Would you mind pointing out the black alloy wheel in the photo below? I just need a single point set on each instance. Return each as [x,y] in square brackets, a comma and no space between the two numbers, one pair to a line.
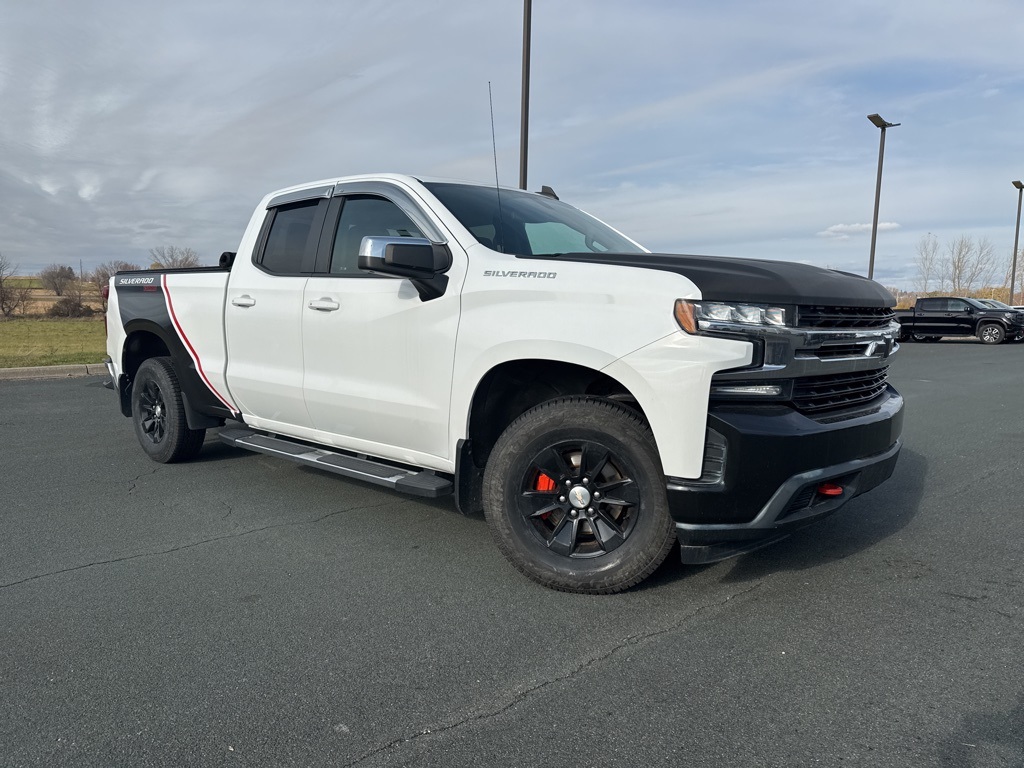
[158,414]
[580,499]
[575,496]
[152,412]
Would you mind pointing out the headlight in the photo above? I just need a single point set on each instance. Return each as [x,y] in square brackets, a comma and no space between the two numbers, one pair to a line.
[696,316]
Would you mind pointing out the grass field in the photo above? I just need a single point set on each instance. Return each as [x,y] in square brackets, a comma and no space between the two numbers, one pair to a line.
[36,341]
[26,282]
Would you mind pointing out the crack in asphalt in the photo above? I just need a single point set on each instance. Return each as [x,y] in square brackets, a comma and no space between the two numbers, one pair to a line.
[182,547]
[132,483]
[631,640]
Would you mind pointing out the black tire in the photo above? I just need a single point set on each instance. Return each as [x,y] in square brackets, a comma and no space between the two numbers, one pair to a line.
[537,496]
[158,413]
[991,333]
[905,335]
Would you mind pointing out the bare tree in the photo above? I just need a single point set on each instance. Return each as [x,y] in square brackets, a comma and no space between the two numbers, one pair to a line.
[173,257]
[57,277]
[1018,293]
[13,298]
[1014,291]
[927,262]
[102,274]
[968,264]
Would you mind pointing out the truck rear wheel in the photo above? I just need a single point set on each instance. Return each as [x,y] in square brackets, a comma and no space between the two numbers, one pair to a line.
[991,334]
[158,414]
[575,496]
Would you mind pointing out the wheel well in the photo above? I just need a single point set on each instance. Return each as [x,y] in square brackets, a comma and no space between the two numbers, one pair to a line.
[139,347]
[511,389]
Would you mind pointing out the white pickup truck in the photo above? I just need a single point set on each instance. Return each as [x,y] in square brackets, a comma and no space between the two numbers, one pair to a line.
[600,403]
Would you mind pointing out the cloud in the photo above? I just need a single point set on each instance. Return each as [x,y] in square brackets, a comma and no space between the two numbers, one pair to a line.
[844,231]
[128,126]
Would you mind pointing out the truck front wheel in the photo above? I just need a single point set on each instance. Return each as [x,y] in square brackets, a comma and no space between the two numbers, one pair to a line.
[575,496]
[991,334]
[158,413]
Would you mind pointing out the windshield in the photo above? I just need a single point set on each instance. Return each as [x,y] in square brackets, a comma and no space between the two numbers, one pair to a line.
[527,223]
[996,304]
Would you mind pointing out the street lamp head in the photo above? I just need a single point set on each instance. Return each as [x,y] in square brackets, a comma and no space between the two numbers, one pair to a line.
[1018,185]
[878,122]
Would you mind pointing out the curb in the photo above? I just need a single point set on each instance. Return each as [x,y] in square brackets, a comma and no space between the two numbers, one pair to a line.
[53,372]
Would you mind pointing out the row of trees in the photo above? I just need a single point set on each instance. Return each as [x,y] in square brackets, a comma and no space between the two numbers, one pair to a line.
[70,288]
[963,266]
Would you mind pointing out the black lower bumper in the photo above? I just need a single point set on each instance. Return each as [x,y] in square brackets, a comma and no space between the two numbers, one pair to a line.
[765,468]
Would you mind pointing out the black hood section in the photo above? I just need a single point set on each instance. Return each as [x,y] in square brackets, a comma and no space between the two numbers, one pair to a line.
[757,281]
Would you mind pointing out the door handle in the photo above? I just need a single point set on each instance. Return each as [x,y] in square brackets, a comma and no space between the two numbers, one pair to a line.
[324,304]
[244,300]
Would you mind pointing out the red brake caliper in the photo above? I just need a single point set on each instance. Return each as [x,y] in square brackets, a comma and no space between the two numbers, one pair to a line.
[543,483]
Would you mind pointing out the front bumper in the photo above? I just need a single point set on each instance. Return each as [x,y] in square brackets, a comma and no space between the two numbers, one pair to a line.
[764,468]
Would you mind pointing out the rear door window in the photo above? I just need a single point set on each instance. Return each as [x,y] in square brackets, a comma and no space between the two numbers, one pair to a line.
[290,247]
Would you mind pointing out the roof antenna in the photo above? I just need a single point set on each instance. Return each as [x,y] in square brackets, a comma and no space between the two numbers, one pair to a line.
[499,237]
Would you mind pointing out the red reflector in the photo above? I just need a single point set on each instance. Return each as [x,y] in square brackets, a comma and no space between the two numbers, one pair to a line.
[830,489]
[544,483]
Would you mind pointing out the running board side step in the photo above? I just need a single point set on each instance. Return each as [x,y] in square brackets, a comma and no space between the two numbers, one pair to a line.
[423,483]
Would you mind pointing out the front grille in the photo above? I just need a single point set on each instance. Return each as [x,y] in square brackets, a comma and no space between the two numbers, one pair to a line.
[816,394]
[844,317]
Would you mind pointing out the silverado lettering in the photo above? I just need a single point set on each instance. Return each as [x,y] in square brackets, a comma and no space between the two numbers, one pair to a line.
[502,273]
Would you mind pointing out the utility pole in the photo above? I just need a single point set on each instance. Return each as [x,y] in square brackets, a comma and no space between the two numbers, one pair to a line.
[524,126]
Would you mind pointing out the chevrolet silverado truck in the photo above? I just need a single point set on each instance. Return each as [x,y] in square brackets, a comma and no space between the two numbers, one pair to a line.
[601,404]
[932,318]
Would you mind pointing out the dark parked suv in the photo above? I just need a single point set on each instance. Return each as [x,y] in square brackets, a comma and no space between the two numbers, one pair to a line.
[938,316]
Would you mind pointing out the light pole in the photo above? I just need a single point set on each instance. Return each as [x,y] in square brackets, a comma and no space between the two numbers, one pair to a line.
[880,123]
[1016,236]
[524,125]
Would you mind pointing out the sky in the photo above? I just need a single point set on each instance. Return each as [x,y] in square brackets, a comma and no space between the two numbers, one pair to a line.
[731,128]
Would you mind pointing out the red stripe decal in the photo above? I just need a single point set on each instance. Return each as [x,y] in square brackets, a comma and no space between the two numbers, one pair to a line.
[188,346]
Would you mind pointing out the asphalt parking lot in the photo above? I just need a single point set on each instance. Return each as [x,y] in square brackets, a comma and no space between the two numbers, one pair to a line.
[243,610]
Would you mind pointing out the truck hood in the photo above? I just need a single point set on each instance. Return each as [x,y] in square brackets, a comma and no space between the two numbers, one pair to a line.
[759,281]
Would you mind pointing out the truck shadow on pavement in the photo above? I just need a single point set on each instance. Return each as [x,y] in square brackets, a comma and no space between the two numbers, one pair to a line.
[986,734]
[215,450]
[857,526]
